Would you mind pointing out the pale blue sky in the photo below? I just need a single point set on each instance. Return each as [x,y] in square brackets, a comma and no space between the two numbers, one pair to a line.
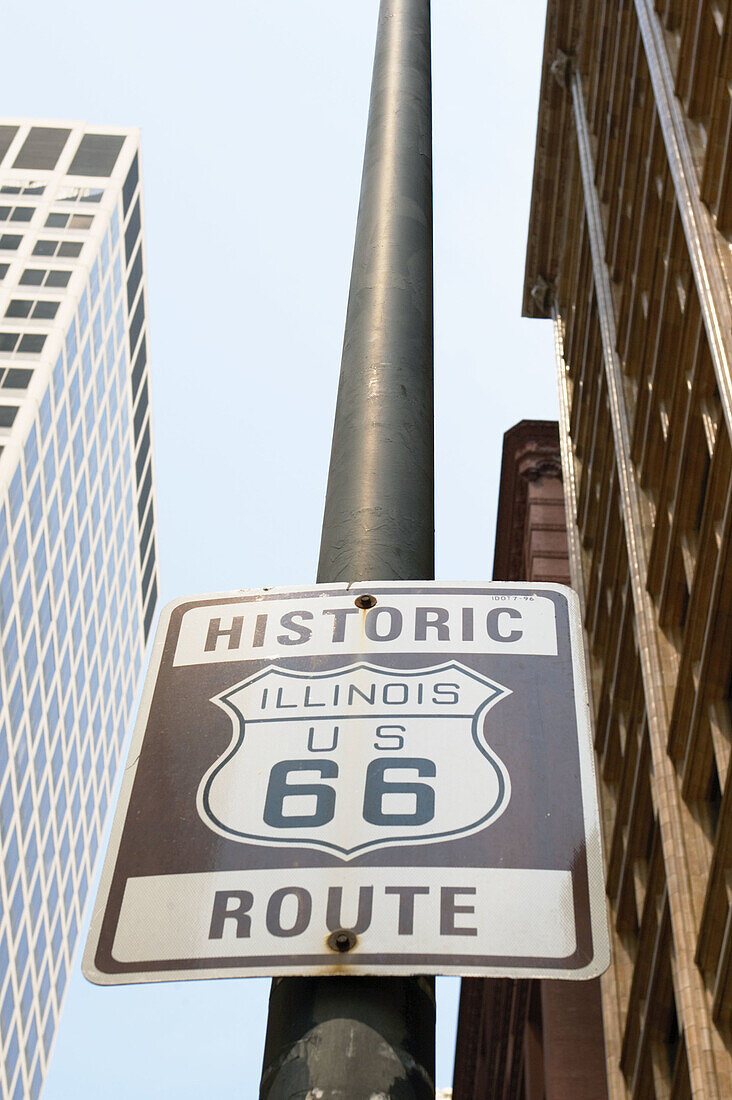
[253,118]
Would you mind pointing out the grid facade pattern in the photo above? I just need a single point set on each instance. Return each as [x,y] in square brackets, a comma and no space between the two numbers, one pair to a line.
[77,548]
[629,251]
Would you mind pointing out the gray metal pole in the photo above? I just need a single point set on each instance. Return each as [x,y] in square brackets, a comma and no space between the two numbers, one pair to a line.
[355,1038]
[379,508]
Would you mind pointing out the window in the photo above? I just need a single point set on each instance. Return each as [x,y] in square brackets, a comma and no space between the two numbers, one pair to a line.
[132,231]
[58,278]
[56,248]
[130,185]
[73,221]
[42,148]
[8,414]
[23,187]
[7,133]
[4,268]
[41,276]
[16,213]
[31,343]
[44,311]
[17,379]
[9,242]
[32,276]
[79,194]
[97,155]
[18,307]
[133,280]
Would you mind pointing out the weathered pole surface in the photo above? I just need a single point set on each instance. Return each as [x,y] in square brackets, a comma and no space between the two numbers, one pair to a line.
[379,508]
[346,1038]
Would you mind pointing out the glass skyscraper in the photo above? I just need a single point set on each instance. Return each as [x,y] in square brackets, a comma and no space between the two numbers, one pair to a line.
[78,581]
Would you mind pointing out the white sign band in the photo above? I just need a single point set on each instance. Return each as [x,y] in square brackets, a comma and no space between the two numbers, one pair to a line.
[327,626]
[254,914]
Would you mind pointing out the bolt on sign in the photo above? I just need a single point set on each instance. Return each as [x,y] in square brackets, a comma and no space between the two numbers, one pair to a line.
[367,779]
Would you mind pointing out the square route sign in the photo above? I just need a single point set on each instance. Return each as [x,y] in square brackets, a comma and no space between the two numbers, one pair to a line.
[380,778]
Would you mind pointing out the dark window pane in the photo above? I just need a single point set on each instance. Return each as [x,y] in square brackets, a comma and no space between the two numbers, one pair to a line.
[97,155]
[32,276]
[150,609]
[144,493]
[45,248]
[139,367]
[58,278]
[145,536]
[134,278]
[148,569]
[7,133]
[57,221]
[132,231]
[5,213]
[142,457]
[10,241]
[8,414]
[128,190]
[17,379]
[45,311]
[8,340]
[70,248]
[22,214]
[42,148]
[32,344]
[19,307]
[4,268]
[136,324]
[141,410]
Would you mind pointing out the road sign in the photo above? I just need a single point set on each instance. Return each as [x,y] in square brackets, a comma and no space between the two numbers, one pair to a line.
[367,779]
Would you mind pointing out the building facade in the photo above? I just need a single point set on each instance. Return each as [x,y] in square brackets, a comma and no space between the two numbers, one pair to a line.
[629,254]
[527,1040]
[78,581]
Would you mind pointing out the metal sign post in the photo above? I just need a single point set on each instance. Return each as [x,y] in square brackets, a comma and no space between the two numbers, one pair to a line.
[356,784]
[349,1036]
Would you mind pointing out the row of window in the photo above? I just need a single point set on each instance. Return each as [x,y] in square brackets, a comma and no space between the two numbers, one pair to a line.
[63,194]
[40,276]
[28,343]
[58,248]
[36,310]
[16,213]
[55,220]
[69,221]
[10,242]
[23,187]
[15,378]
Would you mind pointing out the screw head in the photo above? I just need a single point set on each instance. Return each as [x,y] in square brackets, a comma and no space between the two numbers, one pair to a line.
[342,940]
[365,602]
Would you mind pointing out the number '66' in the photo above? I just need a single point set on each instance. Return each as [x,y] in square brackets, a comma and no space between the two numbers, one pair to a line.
[377,786]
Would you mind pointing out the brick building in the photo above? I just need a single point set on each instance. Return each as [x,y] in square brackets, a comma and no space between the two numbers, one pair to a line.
[628,254]
[523,1038]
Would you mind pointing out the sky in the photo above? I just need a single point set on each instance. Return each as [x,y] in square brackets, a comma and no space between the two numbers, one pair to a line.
[253,118]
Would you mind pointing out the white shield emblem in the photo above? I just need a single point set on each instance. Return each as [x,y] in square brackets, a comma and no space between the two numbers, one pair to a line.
[357,758]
